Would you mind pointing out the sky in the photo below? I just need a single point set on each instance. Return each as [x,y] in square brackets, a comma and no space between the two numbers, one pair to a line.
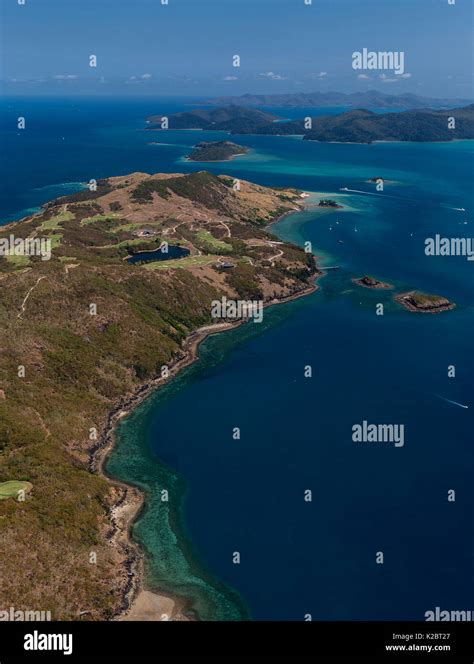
[186,47]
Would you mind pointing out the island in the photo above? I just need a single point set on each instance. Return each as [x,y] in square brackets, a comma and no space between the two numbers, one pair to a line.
[356,126]
[98,334]
[424,303]
[363,126]
[216,151]
[329,203]
[373,99]
[234,119]
[371,282]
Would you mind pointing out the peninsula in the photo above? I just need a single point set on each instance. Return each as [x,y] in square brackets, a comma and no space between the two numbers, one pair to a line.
[95,332]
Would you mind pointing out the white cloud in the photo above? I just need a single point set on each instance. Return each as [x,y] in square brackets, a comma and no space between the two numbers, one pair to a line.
[230,78]
[65,77]
[274,77]
[317,76]
[363,77]
[141,78]
[385,79]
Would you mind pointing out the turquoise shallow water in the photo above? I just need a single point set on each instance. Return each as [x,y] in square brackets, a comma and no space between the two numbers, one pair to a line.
[247,495]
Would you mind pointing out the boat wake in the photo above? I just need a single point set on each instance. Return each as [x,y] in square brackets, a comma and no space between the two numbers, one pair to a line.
[359,191]
[400,198]
[371,193]
[448,207]
[456,403]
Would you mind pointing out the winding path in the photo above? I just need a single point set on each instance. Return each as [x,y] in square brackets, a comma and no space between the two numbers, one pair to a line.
[23,305]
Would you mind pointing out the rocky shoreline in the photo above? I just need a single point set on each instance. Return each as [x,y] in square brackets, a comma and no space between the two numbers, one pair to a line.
[138,602]
[422,303]
[371,282]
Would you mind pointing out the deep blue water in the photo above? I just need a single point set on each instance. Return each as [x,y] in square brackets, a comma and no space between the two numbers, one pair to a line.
[247,495]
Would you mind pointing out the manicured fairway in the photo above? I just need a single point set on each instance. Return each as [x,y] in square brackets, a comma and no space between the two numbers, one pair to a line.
[11,489]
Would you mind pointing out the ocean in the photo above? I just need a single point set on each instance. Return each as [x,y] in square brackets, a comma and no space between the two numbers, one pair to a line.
[299,559]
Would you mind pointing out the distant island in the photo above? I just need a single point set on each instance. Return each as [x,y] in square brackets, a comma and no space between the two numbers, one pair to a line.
[217,151]
[363,126]
[358,126]
[424,303]
[234,119]
[371,282]
[370,99]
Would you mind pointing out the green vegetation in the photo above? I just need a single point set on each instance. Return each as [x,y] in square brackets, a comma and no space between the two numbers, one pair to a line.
[145,190]
[365,126]
[216,151]
[80,365]
[355,126]
[98,217]
[125,228]
[423,298]
[201,187]
[13,488]
[328,203]
[423,302]
[55,222]
[230,117]
[210,244]
[188,261]
[243,279]
[17,261]
[55,239]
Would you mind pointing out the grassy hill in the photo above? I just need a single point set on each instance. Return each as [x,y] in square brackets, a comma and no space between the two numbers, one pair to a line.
[81,332]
